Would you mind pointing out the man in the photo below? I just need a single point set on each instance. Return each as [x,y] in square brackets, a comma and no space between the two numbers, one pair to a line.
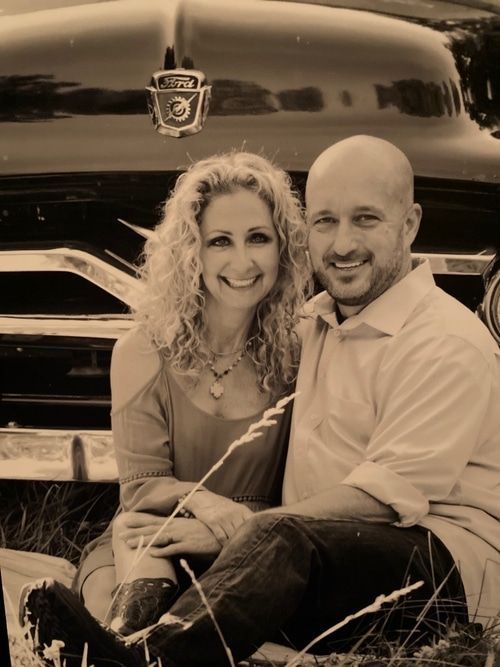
[392,474]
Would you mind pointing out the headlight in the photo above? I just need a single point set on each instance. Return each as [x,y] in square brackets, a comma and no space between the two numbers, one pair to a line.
[490,308]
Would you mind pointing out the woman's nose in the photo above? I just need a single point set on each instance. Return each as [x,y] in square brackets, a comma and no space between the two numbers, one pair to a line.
[243,257]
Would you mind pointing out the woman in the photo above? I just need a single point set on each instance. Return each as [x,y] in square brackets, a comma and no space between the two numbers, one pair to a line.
[223,278]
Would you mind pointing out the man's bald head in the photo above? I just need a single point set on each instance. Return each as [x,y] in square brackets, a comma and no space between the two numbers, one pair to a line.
[362,219]
[361,159]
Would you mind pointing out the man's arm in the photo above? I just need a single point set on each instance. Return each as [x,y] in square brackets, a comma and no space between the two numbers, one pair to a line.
[431,406]
[341,503]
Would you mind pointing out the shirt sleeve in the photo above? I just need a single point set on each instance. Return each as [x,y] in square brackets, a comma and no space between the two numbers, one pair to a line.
[432,401]
[140,424]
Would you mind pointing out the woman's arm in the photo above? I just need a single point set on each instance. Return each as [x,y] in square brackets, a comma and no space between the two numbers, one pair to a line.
[181,536]
[140,424]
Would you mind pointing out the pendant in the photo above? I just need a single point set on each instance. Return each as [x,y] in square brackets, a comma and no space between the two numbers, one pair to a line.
[216,389]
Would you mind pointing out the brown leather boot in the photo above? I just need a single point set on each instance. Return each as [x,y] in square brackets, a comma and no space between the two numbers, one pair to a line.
[140,603]
[51,612]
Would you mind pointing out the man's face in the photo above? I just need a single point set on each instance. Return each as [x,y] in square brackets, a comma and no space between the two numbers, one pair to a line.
[359,235]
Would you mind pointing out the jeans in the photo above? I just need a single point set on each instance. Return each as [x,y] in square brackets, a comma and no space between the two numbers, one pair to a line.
[299,576]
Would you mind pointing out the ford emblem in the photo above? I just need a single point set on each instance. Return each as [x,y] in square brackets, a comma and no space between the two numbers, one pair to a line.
[178,101]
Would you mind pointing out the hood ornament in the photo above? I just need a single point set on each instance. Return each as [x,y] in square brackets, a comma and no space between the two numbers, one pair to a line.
[178,101]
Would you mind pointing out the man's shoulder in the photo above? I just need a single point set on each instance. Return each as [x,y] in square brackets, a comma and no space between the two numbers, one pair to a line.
[441,317]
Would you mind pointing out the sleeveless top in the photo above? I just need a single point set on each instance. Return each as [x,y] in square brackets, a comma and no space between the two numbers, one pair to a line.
[164,443]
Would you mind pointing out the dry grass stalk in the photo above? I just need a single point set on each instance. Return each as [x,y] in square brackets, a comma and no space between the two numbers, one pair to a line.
[20,642]
[424,611]
[370,609]
[203,597]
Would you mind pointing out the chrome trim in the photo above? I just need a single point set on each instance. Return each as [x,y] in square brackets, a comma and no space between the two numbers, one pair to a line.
[66,454]
[489,310]
[82,326]
[57,399]
[129,266]
[458,263]
[111,279]
[142,231]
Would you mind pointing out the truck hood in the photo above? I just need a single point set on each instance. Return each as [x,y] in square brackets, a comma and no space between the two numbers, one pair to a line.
[288,79]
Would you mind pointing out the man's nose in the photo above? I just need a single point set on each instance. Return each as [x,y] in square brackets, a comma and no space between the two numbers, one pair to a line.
[344,239]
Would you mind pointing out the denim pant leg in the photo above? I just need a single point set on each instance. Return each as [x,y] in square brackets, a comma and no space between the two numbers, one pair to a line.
[294,572]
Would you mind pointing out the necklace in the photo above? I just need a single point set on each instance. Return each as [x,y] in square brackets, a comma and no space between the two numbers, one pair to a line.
[217,388]
[221,354]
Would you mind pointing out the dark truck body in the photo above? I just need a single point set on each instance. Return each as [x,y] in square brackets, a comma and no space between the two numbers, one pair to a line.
[80,157]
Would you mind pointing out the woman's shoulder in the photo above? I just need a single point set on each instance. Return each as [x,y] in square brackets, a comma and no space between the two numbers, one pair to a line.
[135,363]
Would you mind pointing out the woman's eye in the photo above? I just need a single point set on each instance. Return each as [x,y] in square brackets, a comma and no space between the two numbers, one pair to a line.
[323,221]
[259,237]
[219,242]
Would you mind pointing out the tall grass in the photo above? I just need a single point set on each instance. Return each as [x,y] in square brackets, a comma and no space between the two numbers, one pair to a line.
[55,518]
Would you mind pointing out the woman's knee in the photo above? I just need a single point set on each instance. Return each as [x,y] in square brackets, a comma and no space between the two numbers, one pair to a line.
[121,522]
[97,591]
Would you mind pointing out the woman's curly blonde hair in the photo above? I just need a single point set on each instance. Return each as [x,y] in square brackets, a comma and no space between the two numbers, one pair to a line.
[171,306]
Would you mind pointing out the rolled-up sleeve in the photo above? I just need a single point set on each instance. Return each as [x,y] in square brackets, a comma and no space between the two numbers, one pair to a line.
[391,489]
[432,400]
[141,432]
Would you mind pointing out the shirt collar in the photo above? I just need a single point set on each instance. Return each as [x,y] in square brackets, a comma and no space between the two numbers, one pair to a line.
[388,312]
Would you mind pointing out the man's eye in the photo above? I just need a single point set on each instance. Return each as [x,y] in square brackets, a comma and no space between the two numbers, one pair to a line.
[366,218]
[323,222]
[219,242]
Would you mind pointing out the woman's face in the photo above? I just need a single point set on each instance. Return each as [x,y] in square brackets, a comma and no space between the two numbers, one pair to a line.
[240,250]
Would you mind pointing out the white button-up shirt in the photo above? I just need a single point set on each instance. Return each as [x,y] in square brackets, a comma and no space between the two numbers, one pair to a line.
[402,401]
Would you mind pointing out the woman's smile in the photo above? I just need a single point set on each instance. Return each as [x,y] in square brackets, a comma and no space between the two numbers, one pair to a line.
[240,283]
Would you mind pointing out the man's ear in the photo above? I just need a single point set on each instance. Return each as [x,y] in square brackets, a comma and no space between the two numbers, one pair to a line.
[412,222]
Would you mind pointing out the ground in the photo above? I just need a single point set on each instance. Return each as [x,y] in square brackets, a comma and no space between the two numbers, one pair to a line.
[60,518]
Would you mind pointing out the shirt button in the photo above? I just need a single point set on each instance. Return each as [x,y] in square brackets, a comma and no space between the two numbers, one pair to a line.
[313,416]
[337,332]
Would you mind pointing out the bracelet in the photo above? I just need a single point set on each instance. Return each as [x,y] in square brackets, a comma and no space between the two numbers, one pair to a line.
[183,511]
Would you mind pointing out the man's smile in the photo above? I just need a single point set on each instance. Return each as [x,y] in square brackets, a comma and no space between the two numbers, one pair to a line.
[347,266]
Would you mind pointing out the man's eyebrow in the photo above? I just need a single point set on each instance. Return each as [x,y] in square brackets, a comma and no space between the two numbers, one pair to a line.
[316,214]
[368,207]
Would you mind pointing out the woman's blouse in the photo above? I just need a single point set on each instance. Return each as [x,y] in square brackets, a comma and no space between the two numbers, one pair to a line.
[164,443]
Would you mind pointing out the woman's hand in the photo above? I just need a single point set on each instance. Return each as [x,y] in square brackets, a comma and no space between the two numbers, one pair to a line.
[181,536]
[140,525]
[222,515]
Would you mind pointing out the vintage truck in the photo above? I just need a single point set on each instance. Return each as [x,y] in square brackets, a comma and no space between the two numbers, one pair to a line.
[104,103]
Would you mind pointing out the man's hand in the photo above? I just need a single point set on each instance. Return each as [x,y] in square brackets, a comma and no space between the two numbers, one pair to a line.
[222,515]
[181,536]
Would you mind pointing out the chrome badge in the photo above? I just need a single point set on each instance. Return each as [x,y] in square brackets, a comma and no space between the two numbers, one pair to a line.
[178,101]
